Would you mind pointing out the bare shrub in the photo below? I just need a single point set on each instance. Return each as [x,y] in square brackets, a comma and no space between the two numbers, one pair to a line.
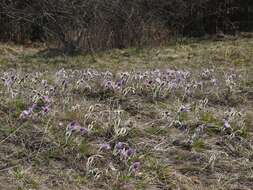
[94,25]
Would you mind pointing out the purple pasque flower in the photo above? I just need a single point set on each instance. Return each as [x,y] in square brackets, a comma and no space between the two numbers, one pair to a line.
[184,108]
[226,124]
[25,114]
[109,84]
[119,84]
[127,153]
[136,166]
[120,146]
[73,126]
[105,147]
[83,130]
[45,109]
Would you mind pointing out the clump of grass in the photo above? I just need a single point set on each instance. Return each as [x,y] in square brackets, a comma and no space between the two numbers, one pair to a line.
[16,106]
[24,180]
[199,145]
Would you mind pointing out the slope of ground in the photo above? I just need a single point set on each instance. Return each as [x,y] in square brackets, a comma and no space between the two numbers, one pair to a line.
[174,117]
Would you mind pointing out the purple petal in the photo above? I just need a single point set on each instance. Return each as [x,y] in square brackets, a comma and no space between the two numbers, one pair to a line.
[129,152]
[136,166]
[119,145]
[73,126]
[105,147]
[83,130]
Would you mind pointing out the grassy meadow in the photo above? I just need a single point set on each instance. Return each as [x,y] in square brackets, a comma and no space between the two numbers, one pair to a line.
[173,117]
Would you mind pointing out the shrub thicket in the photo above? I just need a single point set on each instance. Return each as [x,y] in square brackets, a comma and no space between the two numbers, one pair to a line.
[104,24]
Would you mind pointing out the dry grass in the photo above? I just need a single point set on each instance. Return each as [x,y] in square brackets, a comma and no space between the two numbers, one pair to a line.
[179,135]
